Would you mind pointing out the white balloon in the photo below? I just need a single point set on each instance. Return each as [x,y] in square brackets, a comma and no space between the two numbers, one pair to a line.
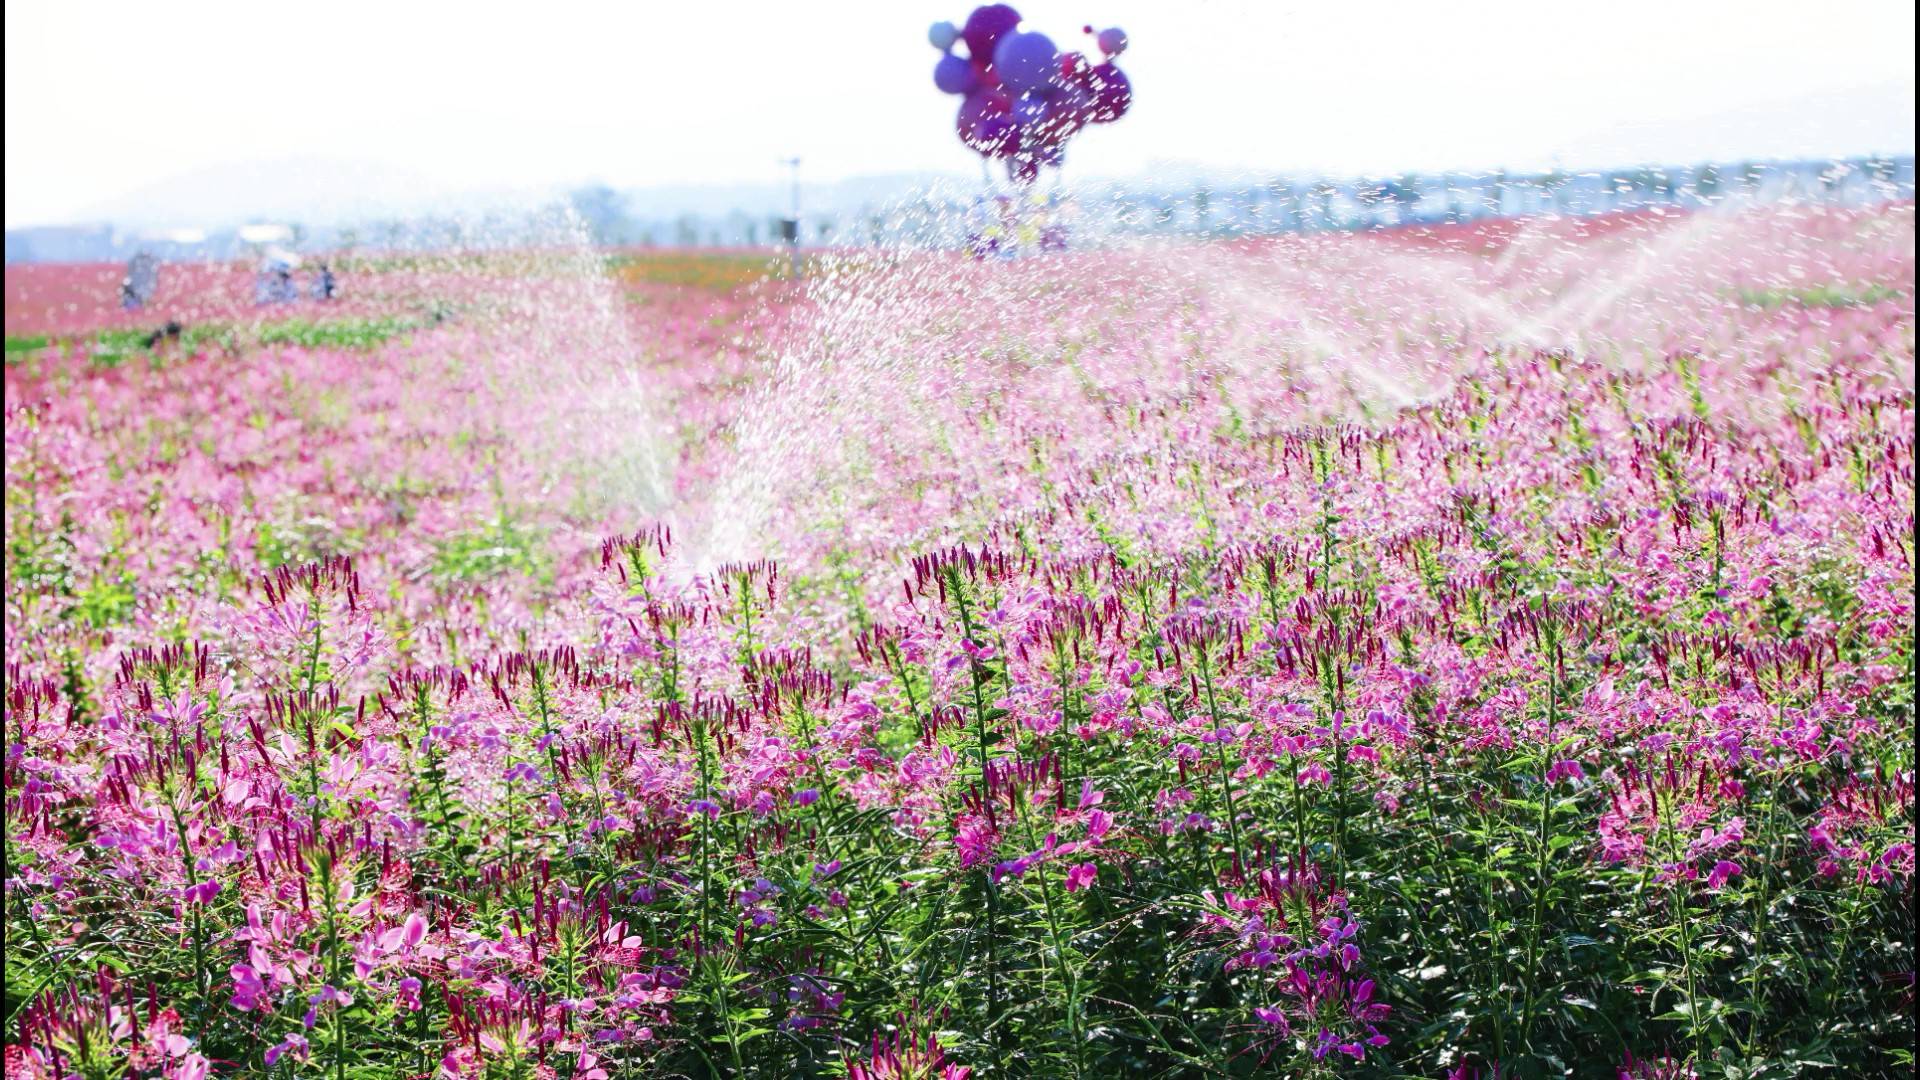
[943,35]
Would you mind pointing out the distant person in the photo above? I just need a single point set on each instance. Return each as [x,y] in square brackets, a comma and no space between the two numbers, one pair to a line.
[1053,230]
[143,277]
[276,281]
[978,242]
[167,334]
[1012,231]
[323,282]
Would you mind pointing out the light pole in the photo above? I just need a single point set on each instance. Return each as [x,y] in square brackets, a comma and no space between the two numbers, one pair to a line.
[790,227]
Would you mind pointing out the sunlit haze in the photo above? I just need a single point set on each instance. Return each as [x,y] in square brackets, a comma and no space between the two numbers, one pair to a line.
[107,99]
[860,539]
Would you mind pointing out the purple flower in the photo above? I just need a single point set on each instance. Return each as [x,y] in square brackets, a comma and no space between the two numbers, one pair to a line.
[1081,875]
[249,991]
[295,1044]
[1722,870]
[1568,769]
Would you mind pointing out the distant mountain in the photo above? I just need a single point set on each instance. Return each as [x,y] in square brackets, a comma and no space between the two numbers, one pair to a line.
[776,198]
[1875,119]
[311,190]
[322,192]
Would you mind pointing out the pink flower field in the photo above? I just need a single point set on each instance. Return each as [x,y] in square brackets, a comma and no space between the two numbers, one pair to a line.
[1462,653]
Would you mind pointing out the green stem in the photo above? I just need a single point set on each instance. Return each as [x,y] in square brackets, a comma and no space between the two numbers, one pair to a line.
[993,890]
[1756,992]
[193,883]
[542,705]
[1069,977]
[1683,925]
[1540,869]
[1220,755]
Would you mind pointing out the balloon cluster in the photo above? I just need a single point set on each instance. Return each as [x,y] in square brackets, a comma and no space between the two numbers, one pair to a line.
[1024,98]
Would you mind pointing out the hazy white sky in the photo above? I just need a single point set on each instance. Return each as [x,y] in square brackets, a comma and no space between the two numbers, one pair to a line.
[104,98]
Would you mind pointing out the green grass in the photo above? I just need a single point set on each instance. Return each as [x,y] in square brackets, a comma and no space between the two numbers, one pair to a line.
[116,347]
[500,546]
[1826,296]
[338,333]
[106,602]
[696,270]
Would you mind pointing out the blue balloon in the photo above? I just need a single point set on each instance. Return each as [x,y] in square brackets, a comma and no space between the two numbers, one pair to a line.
[954,75]
[1027,63]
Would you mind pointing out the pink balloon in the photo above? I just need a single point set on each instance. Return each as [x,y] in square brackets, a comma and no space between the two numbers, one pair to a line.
[984,29]
[1002,136]
[984,73]
[1069,110]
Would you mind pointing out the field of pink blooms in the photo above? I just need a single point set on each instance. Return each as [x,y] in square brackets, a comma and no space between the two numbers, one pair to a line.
[1474,653]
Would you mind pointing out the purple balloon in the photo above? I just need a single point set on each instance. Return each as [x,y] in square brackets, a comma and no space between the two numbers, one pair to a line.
[982,122]
[954,75]
[999,136]
[1069,109]
[985,27]
[1027,63]
[1112,94]
[1030,110]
